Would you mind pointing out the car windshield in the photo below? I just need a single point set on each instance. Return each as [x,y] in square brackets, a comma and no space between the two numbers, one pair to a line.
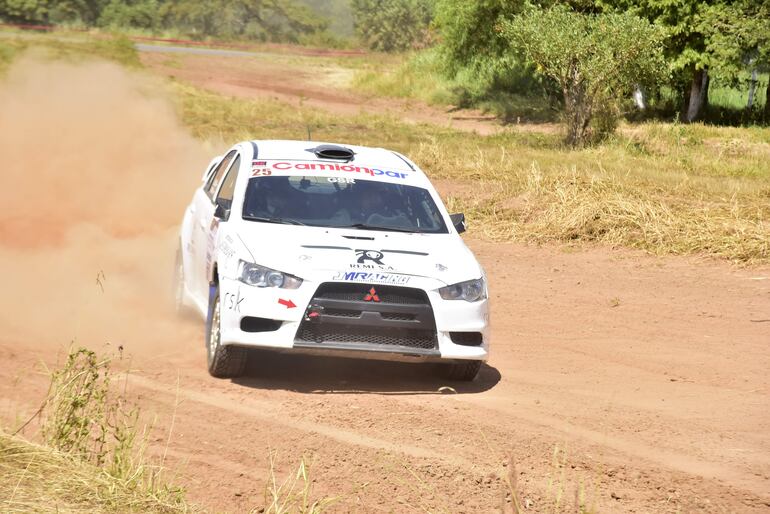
[342,203]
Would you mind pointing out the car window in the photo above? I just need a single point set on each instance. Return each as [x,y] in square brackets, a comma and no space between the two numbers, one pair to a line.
[216,177]
[225,195]
[342,203]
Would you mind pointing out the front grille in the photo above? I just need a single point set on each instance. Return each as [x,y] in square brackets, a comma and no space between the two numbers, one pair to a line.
[396,316]
[405,338]
[341,316]
[343,313]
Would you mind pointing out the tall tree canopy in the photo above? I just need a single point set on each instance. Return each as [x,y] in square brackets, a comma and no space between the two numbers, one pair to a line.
[595,59]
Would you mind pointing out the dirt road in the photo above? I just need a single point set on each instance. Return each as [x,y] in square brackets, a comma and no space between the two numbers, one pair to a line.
[618,381]
[300,81]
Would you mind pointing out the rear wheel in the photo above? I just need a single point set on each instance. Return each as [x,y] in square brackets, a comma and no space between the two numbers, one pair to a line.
[223,361]
[463,370]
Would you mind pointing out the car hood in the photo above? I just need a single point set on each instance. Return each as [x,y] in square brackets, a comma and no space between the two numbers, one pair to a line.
[302,250]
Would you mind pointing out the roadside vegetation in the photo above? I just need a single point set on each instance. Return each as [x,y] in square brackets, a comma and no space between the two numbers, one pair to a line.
[92,452]
[92,455]
[37,478]
[687,61]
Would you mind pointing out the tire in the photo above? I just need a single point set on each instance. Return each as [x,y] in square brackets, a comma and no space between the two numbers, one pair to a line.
[463,370]
[223,361]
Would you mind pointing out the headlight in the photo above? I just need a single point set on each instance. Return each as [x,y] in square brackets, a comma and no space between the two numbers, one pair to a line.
[260,276]
[470,291]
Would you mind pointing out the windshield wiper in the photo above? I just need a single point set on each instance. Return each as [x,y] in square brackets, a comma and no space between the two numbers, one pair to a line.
[285,221]
[364,226]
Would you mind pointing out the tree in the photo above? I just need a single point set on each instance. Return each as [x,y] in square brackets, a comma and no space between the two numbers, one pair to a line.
[686,48]
[142,14]
[280,20]
[274,20]
[50,11]
[469,35]
[739,34]
[595,59]
[392,25]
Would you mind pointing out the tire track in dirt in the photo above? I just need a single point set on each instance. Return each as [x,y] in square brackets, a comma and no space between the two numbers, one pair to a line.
[267,412]
[632,449]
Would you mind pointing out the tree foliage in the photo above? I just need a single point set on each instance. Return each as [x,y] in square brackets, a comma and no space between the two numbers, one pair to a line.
[706,38]
[392,25]
[737,34]
[595,59]
[50,11]
[469,35]
[478,59]
[277,20]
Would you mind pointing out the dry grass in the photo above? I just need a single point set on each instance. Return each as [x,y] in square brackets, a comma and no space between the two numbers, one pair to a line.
[35,478]
[613,197]
[94,458]
[294,494]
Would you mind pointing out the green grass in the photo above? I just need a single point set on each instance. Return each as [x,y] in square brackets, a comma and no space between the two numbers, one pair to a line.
[414,76]
[419,76]
[734,98]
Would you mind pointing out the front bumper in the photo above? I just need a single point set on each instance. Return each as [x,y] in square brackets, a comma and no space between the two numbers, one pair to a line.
[285,322]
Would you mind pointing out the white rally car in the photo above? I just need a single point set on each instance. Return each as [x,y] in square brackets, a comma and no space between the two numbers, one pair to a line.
[322,248]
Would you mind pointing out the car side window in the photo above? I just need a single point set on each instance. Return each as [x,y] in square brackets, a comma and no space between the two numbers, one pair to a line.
[216,177]
[225,196]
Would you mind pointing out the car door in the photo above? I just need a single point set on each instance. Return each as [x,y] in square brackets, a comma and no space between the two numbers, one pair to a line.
[222,203]
[203,216]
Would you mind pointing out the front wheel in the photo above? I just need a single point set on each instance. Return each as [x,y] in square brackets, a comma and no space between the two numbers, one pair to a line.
[462,370]
[223,361]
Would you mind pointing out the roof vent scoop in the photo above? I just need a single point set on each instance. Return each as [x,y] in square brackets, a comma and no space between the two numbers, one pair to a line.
[333,152]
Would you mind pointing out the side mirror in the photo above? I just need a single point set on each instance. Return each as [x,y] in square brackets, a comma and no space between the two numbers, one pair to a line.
[458,220]
[221,212]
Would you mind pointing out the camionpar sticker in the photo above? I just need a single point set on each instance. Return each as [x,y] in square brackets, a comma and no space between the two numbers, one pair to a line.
[308,166]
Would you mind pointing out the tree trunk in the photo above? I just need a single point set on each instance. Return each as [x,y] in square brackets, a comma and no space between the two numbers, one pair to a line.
[767,103]
[698,95]
[752,89]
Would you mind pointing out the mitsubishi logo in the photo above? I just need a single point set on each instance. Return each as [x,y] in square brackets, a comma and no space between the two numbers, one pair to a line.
[372,296]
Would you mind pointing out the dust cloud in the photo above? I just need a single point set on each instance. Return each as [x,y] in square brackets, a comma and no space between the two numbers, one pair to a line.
[96,172]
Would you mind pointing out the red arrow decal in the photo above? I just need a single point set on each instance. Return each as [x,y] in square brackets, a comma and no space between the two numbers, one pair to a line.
[288,303]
